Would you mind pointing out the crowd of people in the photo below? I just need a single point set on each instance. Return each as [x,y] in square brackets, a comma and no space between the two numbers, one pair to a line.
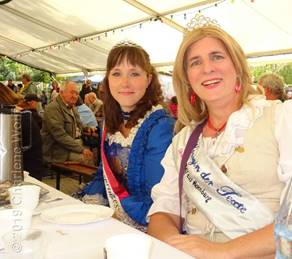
[204,174]
[55,128]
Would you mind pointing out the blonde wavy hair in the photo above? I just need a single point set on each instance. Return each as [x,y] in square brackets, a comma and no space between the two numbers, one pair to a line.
[188,112]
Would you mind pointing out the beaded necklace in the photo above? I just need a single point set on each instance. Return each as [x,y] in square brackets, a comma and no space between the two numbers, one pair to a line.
[217,130]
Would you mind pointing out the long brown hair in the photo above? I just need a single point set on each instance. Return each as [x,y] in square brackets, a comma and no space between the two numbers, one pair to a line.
[136,56]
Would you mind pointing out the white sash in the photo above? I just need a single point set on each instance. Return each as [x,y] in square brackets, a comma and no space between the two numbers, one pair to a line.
[115,203]
[230,208]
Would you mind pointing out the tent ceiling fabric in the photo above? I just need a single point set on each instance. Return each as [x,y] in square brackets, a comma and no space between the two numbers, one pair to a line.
[67,36]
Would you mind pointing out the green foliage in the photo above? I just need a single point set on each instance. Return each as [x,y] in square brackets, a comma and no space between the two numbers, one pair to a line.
[41,76]
[10,69]
[286,73]
[284,70]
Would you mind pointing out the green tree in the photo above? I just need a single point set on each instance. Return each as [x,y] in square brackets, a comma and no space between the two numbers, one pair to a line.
[41,76]
[284,70]
[286,73]
[10,69]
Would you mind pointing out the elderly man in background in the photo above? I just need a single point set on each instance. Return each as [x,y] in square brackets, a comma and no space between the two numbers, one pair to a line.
[61,131]
[93,102]
[273,86]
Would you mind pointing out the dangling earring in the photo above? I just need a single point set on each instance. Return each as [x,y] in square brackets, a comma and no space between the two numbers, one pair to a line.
[193,98]
[238,85]
[237,88]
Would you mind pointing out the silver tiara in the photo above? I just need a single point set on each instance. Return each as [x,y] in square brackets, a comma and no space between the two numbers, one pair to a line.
[126,43]
[200,21]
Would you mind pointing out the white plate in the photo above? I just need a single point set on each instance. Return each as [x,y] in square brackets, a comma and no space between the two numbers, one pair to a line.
[37,210]
[76,214]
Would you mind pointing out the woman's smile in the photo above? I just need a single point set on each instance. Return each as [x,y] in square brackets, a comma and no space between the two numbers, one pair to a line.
[210,70]
[212,83]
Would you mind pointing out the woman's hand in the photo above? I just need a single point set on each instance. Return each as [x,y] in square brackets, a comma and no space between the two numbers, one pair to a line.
[198,247]
[257,244]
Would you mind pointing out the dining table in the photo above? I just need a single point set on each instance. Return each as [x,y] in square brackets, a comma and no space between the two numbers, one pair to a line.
[87,240]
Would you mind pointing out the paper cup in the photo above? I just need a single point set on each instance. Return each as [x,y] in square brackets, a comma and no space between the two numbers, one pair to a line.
[24,196]
[128,246]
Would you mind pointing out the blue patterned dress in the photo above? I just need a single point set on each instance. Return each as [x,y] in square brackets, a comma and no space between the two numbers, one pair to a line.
[135,162]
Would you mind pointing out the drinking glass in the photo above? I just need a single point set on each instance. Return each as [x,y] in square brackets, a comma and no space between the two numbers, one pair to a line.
[28,244]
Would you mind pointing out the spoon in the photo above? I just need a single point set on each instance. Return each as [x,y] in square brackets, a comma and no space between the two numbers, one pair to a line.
[56,199]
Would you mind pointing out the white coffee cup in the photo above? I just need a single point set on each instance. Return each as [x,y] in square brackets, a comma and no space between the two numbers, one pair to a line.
[128,246]
[18,220]
[24,196]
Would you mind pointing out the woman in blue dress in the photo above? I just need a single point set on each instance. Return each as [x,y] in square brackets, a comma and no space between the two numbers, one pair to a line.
[137,131]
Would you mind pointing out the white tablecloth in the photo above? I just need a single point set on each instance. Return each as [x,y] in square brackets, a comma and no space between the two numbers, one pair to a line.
[86,241]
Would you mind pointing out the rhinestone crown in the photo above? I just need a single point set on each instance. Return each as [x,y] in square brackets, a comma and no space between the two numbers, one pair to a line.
[200,21]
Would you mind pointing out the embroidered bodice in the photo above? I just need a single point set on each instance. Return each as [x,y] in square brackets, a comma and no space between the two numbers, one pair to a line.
[118,148]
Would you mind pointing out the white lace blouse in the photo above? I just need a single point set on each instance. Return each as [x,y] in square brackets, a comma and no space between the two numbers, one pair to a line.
[119,138]
[165,194]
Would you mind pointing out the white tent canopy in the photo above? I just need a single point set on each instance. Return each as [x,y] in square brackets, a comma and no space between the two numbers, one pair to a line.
[69,36]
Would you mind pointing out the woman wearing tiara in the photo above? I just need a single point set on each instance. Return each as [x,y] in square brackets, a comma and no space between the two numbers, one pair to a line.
[137,131]
[227,167]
